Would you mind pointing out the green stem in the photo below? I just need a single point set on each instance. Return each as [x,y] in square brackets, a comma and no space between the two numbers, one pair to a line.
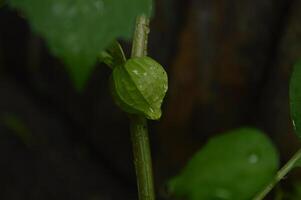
[280,175]
[139,131]
[142,158]
[140,40]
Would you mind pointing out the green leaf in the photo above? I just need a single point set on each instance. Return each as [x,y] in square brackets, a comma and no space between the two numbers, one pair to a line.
[2,3]
[296,194]
[298,163]
[295,98]
[77,31]
[18,127]
[232,166]
[139,87]
[113,56]
[293,193]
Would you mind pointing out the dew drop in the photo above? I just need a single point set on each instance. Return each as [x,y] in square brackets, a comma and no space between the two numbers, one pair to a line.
[99,5]
[58,9]
[253,158]
[135,72]
[222,193]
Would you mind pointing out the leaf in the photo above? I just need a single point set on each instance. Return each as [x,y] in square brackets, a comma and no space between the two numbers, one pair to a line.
[19,128]
[77,31]
[295,98]
[297,163]
[233,166]
[293,193]
[139,87]
[113,56]
[296,194]
[2,3]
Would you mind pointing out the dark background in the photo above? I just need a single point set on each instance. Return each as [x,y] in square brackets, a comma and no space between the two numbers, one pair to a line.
[229,63]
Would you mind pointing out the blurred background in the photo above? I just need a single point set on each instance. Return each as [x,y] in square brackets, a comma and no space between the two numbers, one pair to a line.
[229,64]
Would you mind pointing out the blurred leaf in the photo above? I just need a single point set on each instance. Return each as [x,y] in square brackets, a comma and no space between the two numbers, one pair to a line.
[295,98]
[295,194]
[78,31]
[140,86]
[232,166]
[279,193]
[2,3]
[113,56]
[289,194]
[18,127]
[298,163]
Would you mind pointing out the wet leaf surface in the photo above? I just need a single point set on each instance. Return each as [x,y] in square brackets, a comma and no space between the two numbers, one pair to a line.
[233,166]
[77,31]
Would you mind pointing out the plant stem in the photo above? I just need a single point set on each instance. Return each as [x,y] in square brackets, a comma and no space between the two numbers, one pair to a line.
[142,158]
[280,175]
[138,126]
